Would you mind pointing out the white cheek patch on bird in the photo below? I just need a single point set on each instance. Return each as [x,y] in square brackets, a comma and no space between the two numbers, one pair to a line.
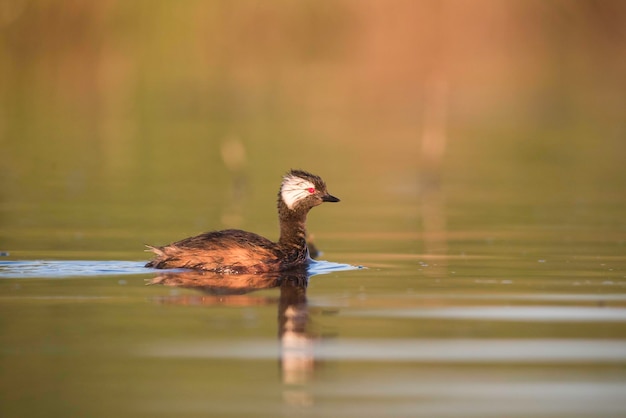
[295,189]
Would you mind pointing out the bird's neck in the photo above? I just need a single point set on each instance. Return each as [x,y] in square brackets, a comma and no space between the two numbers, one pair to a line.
[292,229]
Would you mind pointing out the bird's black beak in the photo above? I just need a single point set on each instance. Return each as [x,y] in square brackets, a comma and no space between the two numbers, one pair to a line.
[329,198]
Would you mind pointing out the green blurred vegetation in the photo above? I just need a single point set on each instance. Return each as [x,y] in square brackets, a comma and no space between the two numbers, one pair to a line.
[118,118]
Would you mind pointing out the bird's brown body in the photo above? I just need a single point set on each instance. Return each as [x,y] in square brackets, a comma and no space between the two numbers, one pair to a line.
[233,251]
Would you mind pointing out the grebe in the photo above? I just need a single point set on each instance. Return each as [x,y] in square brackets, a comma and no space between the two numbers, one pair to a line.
[233,251]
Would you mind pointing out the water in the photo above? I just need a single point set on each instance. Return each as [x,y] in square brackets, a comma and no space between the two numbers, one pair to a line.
[519,329]
[432,302]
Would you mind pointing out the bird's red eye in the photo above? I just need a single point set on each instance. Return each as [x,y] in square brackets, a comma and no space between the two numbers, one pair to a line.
[311,190]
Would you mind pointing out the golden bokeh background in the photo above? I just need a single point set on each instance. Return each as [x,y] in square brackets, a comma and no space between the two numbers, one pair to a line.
[141,120]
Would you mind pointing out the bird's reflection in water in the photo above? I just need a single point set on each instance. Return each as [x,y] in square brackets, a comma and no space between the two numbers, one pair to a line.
[297,359]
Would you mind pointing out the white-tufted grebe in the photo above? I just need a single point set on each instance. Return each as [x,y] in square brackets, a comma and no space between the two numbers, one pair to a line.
[233,251]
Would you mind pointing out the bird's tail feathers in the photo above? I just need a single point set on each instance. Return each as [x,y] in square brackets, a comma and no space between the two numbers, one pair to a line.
[155,250]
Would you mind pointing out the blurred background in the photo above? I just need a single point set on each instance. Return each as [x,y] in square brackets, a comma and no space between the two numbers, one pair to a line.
[124,122]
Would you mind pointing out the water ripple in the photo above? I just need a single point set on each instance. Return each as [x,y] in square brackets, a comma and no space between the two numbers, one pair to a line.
[420,350]
[57,269]
[504,313]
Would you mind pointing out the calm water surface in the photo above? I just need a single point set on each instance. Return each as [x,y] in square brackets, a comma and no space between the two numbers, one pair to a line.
[490,321]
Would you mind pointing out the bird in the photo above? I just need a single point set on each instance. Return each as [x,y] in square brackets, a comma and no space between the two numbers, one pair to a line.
[233,251]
